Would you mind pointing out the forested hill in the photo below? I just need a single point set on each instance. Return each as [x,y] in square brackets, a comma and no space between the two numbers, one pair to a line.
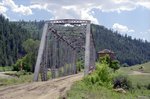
[127,50]
[11,38]
[13,34]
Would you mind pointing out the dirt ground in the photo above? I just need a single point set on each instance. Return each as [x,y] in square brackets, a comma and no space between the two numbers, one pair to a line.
[3,75]
[51,89]
[139,73]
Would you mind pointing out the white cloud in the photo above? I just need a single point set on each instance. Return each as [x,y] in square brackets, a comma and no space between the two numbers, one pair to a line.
[85,14]
[3,9]
[10,3]
[144,35]
[144,3]
[76,9]
[37,6]
[24,10]
[131,31]
[84,9]
[122,28]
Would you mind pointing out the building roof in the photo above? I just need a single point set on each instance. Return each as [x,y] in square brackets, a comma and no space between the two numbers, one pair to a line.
[106,51]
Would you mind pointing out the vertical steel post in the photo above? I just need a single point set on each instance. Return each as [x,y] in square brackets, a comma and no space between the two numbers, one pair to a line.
[45,63]
[74,62]
[87,50]
[40,52]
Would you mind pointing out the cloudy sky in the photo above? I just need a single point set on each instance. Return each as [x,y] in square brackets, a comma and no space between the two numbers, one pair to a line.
[131,17]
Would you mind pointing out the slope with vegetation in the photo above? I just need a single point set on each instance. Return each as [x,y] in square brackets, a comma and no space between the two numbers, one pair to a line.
[144,68]
[11,38]
[127,50]
[12,35]
[105,84]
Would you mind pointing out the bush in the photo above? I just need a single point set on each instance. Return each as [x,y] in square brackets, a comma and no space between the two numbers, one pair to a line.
[105,59]
[101,76]
[148,86]
[139,86]
[80,65]
[125,65]
[115,65]
[23,64]
[121,81]
[17,66]
[20,73]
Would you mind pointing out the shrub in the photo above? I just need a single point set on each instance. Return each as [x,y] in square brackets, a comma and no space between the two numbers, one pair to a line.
[23,64]
[103,72]
[139,86]
[101,76]
[105,59]
[125,65]
[148,86]
[80,65]
[20,73]
[27,63]
[121,81]
[17,66]
[115,65]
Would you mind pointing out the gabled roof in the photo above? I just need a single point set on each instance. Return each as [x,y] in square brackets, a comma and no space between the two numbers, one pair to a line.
[106,51]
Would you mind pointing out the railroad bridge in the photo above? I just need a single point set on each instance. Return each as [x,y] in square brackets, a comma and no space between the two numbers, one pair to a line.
[63,42]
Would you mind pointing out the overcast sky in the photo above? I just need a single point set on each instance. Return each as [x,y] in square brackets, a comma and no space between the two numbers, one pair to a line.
[131,17]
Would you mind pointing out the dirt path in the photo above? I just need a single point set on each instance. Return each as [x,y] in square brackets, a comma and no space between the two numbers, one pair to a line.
[139,73]
[3,75]
[51,89]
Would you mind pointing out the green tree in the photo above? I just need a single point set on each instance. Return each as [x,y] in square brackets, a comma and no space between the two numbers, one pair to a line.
[31,47]
[80,65]
[28,61]
[115,65]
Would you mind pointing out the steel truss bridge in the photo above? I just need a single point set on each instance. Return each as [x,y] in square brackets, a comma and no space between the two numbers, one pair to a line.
[63,43]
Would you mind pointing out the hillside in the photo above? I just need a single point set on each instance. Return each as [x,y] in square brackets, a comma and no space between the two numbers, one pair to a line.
[144,68]
[11,38]
[13,34]
[127,50]
[139,80]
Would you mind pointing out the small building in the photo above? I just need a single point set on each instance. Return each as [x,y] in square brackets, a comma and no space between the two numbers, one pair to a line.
[106,52]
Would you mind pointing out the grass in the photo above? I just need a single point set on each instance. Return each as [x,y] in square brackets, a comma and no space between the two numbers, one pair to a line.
[6,68]
[16,80]
[19,78]
[146,68]
[81,91]
[140,79]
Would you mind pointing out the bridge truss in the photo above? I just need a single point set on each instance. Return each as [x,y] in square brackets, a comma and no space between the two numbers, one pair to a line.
[63,42]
